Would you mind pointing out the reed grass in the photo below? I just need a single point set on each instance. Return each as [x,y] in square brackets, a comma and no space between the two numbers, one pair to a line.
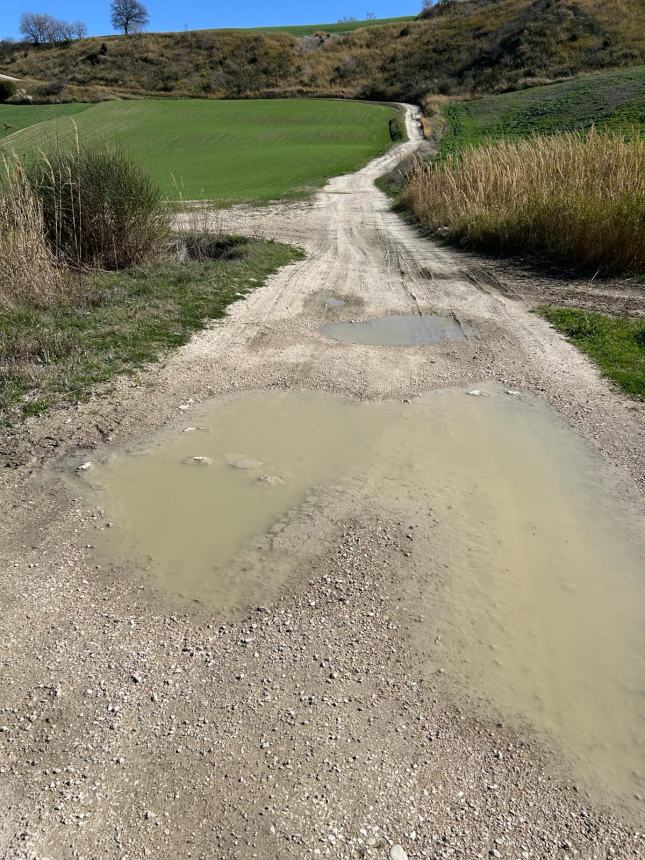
[28,270]
[575,198]
[99,206]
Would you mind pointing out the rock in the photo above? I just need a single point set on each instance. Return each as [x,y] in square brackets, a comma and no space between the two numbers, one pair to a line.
[198,461]
[512,392]
[84,466]
[271,480]
[397,853]
[475,392]
[239,461]
[189,429]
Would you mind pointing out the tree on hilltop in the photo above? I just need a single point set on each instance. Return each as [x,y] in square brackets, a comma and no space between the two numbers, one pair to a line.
[131,16]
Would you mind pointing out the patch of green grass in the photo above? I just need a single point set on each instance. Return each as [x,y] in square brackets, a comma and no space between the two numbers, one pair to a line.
[14,118]
[338,27]
[230,151]
[616,345]
[115,323]
[611,100]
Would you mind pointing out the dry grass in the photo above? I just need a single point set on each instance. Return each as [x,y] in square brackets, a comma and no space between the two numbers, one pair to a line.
[28,271]
[99,207]
[576,198]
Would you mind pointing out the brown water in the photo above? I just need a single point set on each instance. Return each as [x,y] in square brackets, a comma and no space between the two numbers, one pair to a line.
[528,573]
[403,330]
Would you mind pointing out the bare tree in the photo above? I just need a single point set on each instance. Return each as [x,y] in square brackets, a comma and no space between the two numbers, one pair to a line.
[131,16]
[37,28]
[78,29]
[42,29]
[370,16]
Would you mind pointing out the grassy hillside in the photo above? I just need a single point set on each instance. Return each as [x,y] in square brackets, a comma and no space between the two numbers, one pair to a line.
[13,118]
[612,100]
[473,46]
[222,150]
[338,27]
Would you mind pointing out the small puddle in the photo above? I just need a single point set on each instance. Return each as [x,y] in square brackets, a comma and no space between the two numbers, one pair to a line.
[333,302]
[405,330]
[527,572]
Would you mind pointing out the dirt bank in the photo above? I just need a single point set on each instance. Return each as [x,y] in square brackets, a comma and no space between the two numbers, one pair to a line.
[131,727]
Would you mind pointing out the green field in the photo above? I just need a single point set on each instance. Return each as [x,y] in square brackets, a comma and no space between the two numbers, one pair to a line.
[613,100]
[227,151]
[338,27]
[13,118]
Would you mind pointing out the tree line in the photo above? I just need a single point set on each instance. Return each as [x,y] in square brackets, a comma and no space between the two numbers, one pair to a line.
[39,28]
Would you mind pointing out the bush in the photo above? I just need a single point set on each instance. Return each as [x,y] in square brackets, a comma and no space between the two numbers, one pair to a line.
[7,89]
[577,198]
[100,208]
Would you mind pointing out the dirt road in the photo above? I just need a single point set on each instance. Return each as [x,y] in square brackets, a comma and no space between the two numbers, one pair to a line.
[130,727]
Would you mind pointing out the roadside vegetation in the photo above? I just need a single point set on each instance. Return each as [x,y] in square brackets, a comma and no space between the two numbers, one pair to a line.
[617,346]
[470,47]
[575,198]
[91,284]
[224,151]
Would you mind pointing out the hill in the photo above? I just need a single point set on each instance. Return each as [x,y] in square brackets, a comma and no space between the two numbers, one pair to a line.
[474,46]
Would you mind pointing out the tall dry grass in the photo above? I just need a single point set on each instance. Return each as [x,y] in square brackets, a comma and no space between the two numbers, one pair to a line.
[576,197]
[100,207]
[28,270]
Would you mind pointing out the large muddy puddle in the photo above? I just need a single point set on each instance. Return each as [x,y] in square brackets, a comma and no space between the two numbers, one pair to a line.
[403,330]
[525,581]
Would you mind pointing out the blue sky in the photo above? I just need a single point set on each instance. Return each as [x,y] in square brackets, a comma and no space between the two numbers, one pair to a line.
[200,14]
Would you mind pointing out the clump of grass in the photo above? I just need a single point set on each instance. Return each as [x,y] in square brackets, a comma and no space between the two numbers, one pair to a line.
[99,207]
[617,345]
[574,197]
[28,270]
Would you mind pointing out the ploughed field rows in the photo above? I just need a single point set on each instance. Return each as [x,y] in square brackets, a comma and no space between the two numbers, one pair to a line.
[228,151]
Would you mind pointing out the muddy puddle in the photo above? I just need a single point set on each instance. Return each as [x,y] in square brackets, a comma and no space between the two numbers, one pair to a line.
[525,581]
[404,330]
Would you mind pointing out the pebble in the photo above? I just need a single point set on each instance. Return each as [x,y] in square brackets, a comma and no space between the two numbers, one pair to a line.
[201,461]
[271,480]
[397,853]
[85,466]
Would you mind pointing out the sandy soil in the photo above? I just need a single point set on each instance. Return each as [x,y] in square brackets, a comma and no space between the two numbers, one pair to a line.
[132,728]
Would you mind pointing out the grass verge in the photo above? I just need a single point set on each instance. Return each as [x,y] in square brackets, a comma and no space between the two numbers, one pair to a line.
[114,323]
[616,345]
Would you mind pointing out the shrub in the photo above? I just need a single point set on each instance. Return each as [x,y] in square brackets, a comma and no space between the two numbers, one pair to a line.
[28,273]
[100,208]
[577,198]
[7,89]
